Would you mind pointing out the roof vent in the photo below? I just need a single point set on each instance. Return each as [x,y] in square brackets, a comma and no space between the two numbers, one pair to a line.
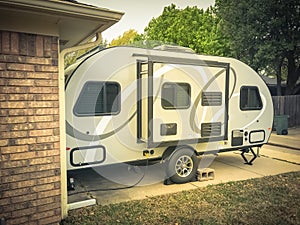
[173,48]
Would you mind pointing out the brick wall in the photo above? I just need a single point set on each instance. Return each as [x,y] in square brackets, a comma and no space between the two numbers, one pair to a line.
[29,129]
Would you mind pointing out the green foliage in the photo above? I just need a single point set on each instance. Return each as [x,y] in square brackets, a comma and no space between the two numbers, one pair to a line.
[264,33]
[126,39]
[191,27]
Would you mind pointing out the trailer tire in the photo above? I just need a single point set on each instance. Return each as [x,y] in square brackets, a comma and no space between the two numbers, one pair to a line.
[182,165]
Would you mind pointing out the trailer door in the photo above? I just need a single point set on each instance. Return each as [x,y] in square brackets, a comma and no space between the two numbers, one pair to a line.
[182,101]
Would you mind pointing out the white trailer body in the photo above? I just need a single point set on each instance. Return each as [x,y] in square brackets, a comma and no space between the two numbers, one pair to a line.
[127,104]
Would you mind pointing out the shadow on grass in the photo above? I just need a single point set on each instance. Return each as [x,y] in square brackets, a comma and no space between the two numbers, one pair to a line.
[267,200]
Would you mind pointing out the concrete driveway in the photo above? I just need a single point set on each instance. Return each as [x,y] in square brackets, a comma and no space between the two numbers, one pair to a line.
[120,183]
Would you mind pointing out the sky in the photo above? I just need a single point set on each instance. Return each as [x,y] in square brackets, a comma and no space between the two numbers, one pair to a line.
[138,13]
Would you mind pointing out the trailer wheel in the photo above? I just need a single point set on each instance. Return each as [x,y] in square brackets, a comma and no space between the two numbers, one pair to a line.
[182,165]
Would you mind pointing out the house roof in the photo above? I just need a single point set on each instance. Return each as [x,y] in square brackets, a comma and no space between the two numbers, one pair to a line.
[72,21]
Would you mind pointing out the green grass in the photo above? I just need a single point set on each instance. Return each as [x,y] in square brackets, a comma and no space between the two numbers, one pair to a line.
[267,200]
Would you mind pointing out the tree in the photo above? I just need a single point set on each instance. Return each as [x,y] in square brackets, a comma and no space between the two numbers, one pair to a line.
[191,27]
[126,39]
[264,34]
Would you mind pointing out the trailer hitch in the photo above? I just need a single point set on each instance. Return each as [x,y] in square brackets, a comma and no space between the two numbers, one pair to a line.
[255,155]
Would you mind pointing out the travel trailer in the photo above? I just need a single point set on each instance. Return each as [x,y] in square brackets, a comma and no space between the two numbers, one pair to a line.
[128,104]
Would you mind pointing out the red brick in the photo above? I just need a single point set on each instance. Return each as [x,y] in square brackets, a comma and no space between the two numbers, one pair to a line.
[24,212]
[50,220]
[13,74]
[45,214]
[47,166]
[37,61]
[41,146]
[40,104]
[14,43]
[43,201]
[40,75]
[20,82]
[14,119]
[23,198]
[5,201]
[22,184]
[15,178]
[37,161]
[4,112]
[42,97]
[12,58]
[46,125]
[47,153]
[22,141]
[12,105]
[39,46]
[40,133]
[3,143]
[20,112]
[5,42]
[14,134]
[21,126]
[44,187]
[14,149]
[14,90]
[46,83]
[47,139]
[4,158]
[25,155]
[41,174]
[19,220]
[52,206]
[14,164]
[20,66]
[56,145]
[18,97]
[16,192]
[46,194]
[20,170]
[47,111]
[48,180]
[2,66]
[33,119]
[40,90]
[46,68]
[3,97]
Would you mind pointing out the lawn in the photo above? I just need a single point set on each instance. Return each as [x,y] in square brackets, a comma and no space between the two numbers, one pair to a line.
[267,200]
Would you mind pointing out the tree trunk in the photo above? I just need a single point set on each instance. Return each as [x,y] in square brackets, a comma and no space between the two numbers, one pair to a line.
[293,73]
[278,76]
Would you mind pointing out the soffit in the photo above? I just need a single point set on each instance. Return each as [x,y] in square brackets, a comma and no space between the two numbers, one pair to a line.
[73,22]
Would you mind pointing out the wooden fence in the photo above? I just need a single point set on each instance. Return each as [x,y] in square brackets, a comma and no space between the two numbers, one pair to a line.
[288,105]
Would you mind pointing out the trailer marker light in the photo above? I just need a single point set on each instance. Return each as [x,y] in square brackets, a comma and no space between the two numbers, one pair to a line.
[67,148]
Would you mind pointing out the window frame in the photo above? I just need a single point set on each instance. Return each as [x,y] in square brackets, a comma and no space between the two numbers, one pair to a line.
[257,95]
[175,94]
[104,86]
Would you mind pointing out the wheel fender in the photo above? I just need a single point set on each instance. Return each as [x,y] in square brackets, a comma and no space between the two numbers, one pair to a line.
[169,152]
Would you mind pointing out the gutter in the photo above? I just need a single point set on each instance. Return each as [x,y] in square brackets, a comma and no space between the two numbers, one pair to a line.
[63,8]
[62,121]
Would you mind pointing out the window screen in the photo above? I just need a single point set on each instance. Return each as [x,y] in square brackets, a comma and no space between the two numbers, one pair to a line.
[250,98]
[98,98]
[175,96]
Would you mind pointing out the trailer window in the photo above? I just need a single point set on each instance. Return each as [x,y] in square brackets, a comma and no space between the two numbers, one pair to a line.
[98,99]
[250,98]
[176,95]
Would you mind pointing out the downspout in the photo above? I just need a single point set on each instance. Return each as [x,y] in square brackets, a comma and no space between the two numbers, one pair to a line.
[62,123]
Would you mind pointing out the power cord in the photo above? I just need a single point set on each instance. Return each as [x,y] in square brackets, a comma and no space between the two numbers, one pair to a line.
[117,188]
